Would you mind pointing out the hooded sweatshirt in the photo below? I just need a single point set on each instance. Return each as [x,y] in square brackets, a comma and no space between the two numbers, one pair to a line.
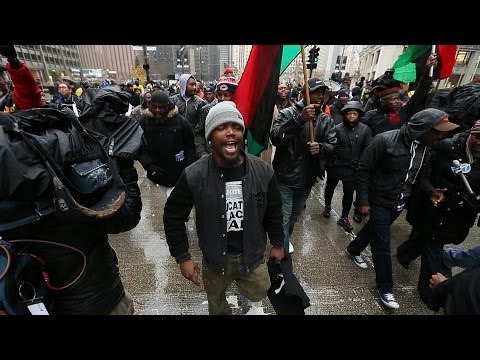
[418,125]
[182,84]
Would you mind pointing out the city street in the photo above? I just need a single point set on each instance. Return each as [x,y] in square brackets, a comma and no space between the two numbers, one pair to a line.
[334,284]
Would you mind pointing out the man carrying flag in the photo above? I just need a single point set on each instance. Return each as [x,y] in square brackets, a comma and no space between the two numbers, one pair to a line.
[391,114]
[257,90]
[298,162]
[410,65]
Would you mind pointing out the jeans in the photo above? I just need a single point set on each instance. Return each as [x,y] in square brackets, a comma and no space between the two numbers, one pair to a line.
[293,201]
[432,262]
[349,187]
[411,248]
[377,232]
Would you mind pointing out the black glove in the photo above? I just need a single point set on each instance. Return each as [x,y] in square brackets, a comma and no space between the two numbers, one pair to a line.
[8,51]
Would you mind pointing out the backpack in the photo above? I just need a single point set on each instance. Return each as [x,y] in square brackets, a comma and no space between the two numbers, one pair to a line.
[22,286]
[25,287]
[55,165]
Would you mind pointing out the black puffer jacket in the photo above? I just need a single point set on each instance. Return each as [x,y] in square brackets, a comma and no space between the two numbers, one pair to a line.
[352,139]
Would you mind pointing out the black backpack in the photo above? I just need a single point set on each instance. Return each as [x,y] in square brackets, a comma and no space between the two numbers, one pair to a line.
[56,165]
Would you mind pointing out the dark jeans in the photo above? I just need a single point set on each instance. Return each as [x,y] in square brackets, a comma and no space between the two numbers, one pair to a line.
[432,262]
[349,187]
[411,248]
[293,201]
[377,232]
[423,243]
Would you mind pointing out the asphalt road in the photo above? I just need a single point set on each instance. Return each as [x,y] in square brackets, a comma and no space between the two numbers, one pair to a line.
[334,284]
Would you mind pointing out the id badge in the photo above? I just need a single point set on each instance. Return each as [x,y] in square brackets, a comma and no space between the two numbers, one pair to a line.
[37,307]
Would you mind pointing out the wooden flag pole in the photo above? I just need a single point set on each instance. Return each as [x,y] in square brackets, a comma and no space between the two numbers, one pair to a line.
[307,92]
[431,68]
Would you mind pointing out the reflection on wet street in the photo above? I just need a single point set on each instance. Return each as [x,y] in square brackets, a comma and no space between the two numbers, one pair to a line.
[333,282]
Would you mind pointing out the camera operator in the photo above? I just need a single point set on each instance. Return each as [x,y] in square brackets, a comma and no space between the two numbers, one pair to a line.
[449,218]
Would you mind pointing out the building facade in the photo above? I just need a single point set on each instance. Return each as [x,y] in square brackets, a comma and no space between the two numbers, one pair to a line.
[375,59]
[50,62]
[114,61]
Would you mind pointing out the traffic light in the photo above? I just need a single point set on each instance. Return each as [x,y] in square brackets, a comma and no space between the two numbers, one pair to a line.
[179,59]
[313,57]
[316,50]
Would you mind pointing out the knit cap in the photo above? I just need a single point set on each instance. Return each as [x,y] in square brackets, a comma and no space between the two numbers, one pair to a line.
[221,113]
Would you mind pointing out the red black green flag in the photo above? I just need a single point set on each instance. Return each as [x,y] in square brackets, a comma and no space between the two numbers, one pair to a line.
[257,90]
[256,94]
[410,65]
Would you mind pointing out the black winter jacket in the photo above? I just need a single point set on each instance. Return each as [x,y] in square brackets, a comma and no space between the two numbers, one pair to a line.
[382,168]
[352,139]
[451,220]
[169,148]
[293,164]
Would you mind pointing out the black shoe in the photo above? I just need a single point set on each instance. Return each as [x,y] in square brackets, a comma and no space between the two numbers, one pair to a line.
[326,211]
[345,224]
[357,216]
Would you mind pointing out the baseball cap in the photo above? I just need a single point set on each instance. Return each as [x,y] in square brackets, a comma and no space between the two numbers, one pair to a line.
[315,84]
[444,125]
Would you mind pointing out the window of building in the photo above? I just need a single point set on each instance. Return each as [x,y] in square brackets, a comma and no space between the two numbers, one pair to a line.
[463,57]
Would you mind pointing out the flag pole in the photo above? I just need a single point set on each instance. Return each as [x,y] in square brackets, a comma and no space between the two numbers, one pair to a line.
[431,68]
[306,92]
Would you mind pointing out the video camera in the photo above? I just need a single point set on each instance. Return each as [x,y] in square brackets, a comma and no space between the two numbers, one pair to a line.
[470,199]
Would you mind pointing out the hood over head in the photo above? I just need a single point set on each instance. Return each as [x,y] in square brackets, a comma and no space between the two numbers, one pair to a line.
[182,84]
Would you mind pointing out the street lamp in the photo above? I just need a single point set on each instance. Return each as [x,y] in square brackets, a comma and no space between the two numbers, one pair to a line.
[200,61]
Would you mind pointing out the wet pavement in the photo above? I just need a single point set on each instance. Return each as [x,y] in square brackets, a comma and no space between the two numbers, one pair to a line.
[334,284]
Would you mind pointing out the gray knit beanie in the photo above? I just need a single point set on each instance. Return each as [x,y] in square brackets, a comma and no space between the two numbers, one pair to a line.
[221,113]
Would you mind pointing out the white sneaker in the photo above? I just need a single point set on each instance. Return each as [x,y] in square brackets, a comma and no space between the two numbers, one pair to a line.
[290,248]
[388,299]
[358,260]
